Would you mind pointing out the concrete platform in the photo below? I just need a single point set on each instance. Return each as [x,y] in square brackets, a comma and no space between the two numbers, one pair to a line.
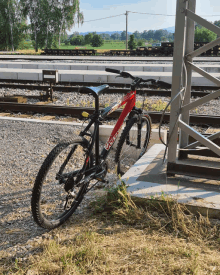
[211,68]
[147,179]
[101,77]
[112,58]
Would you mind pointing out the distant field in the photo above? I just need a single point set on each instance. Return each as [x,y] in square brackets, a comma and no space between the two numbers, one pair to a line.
[107,46]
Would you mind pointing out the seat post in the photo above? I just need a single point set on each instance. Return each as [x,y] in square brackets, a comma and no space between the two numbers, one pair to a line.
[96,103]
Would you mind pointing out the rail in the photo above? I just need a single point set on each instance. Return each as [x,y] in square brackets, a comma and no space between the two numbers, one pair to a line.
[77,111]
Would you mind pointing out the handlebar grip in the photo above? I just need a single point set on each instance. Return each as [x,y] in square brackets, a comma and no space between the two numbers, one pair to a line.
[112,71]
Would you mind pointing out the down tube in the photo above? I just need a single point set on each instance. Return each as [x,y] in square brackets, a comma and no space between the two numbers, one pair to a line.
[128,107]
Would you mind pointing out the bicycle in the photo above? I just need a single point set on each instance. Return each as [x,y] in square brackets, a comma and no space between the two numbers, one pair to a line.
[73,168]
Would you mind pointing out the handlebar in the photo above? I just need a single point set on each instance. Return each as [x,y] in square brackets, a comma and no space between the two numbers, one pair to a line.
[139,80]
[112,71]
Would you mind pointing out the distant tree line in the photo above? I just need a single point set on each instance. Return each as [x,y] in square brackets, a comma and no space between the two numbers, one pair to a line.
[93,39]
[151,35]
[137,38]
[45,23]
[49,20]
[96,40]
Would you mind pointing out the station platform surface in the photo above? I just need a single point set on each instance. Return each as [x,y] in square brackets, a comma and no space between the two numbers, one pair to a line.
[101,77]
[147,179]
[111,58]
[210,68]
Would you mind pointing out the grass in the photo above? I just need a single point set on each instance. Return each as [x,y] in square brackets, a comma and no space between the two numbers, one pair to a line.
[158,106]
[123,235]
[113,45]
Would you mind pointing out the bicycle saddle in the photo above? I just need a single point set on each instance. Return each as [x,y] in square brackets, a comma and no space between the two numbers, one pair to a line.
[95,91]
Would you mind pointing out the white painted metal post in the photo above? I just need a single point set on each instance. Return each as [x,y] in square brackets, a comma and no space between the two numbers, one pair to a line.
[189,47]
[179,40]
[180,107]
[126,30]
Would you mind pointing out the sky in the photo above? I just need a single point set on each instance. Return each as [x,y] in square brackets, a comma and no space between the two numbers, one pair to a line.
[96,9]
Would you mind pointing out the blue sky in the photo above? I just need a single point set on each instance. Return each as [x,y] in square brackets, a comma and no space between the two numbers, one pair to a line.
[95,9]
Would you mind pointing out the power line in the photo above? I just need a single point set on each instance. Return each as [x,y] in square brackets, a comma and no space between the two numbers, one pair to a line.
[105,17]
[157,14]
[204,15]
[152,13]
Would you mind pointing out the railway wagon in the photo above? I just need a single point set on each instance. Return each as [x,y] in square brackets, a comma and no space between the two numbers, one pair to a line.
[166,49]
[69,52]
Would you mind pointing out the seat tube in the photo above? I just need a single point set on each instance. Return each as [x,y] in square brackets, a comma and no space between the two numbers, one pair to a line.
[97,131]
[97,144]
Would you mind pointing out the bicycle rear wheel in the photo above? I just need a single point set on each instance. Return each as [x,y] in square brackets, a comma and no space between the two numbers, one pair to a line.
[128,152]
[51,204]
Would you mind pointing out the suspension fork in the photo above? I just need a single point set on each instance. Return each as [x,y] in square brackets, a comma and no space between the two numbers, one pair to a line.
[138,113]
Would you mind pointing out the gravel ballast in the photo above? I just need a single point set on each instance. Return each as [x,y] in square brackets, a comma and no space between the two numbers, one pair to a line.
[23,147]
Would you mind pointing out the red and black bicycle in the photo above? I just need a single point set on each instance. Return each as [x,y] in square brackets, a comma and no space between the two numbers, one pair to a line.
[75,166]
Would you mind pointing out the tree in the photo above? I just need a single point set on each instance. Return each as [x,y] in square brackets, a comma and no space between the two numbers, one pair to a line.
[11,24]
[50,19]
[68,12]
[105,36]
[204,35]
[88,38]
[140,43]
[150,34]
[123,35]
[158,34]
[217,23]
[137,35]
[115,36]
[77,41]
[131,43]
[97,41]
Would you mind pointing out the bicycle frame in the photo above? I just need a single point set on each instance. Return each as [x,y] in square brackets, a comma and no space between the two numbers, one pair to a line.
[129,99]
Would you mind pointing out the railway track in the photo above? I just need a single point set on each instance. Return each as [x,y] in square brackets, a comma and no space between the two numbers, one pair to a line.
[137,59]
[117,89]
[76,112]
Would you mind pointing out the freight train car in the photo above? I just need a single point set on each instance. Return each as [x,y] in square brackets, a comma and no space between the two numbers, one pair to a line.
[166,49]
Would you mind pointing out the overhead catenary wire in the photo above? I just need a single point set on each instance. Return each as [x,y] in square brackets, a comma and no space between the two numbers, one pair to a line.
[162,14]
[104,18]
[154,14]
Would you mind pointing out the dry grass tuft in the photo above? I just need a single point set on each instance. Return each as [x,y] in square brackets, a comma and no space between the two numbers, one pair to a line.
[163,214]
[30,51]
[124,235]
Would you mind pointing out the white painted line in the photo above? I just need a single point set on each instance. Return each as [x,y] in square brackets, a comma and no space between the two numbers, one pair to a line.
[41,121]
[104,130]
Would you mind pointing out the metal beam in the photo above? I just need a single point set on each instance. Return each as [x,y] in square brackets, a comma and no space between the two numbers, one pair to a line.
[190,29]
[202,22]
[205,74]
[178,54]
[203,49]
[197,143]
[208,143]
[200,101]
[194,170]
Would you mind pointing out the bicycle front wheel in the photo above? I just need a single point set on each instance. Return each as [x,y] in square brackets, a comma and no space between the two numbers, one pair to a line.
[131,147]
[51,203]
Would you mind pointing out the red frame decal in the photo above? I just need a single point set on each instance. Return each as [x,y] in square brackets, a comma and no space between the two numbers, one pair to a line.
[129,99]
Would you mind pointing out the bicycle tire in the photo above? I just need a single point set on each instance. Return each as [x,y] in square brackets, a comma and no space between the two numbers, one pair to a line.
[125,157]
[42,202]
